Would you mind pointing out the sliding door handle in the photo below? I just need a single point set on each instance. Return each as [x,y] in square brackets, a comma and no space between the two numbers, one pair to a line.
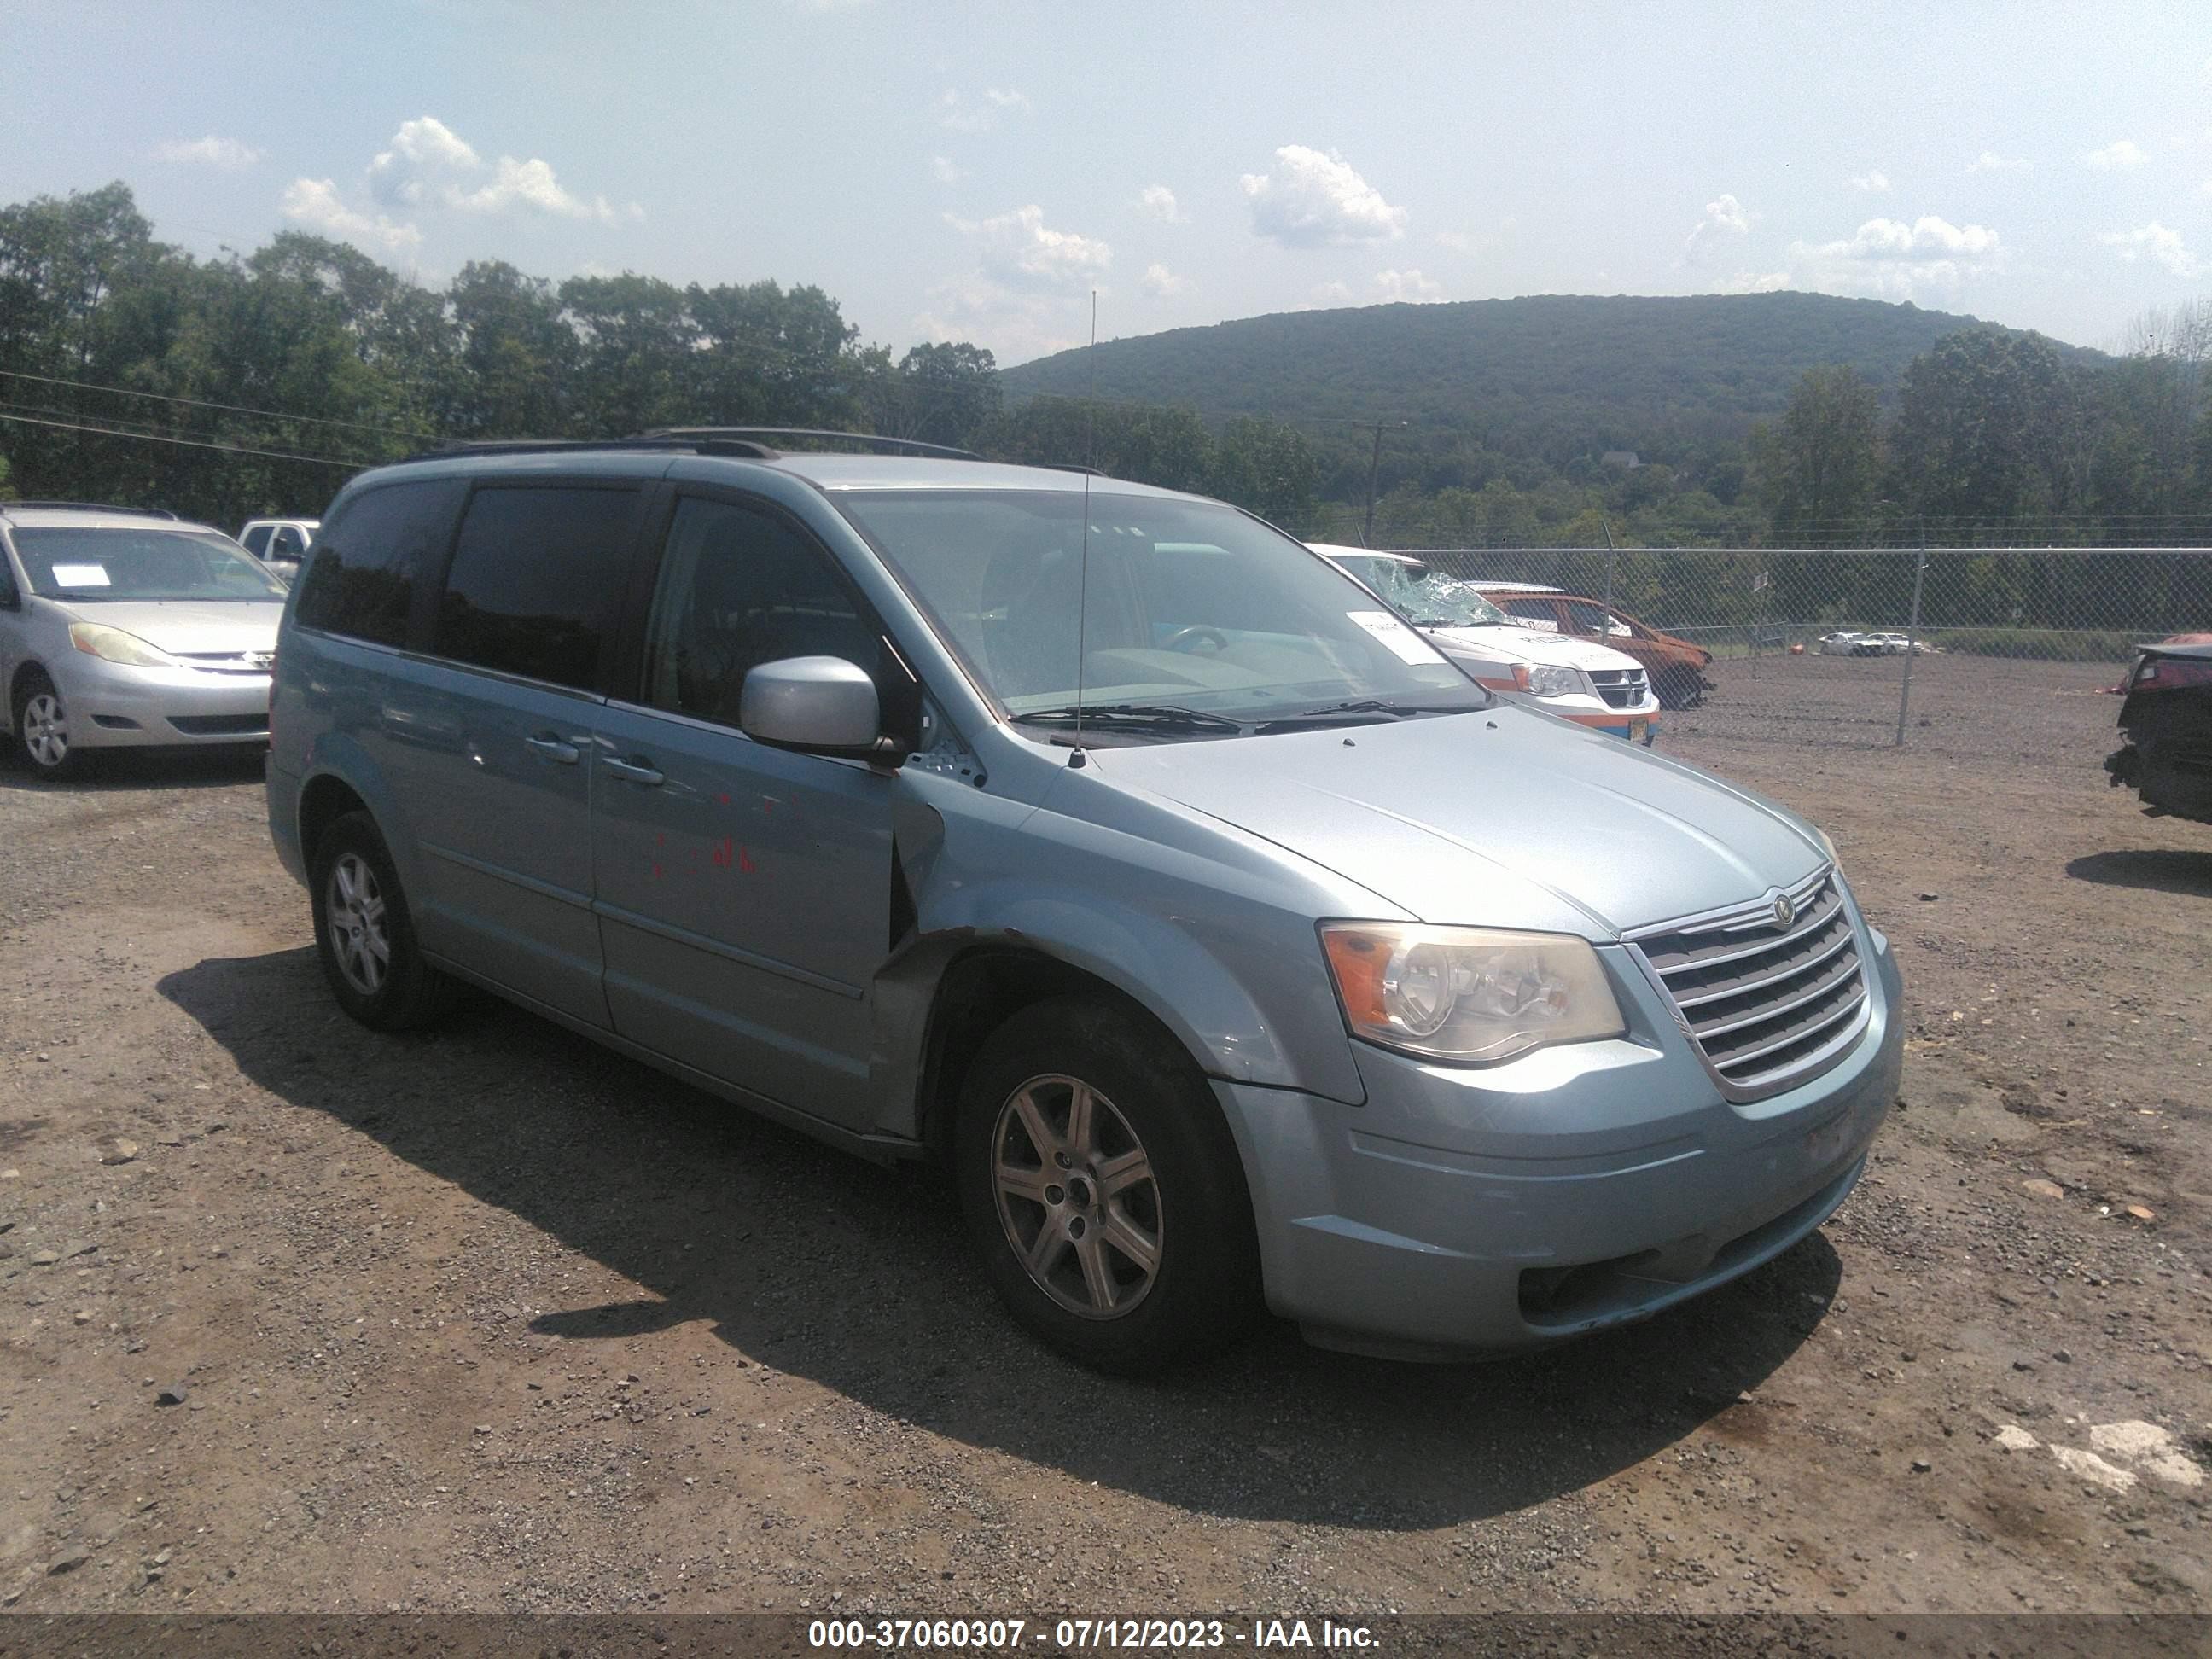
[634,772]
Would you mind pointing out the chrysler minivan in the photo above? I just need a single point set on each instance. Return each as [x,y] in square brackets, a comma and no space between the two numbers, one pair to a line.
[1235,949]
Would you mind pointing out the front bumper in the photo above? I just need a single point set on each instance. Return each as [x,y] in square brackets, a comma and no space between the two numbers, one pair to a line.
[111,706]
[1460,1212]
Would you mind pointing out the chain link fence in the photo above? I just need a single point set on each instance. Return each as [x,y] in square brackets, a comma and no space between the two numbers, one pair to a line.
[1857,644]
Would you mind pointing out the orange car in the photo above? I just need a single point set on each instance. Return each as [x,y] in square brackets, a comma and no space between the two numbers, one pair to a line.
[1676,667]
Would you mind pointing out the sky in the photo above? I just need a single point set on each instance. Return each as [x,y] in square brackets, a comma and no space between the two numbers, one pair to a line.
[977,172]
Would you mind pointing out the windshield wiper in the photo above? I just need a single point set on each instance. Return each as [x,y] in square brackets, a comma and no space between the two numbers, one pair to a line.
[1131,716]
[1348,713]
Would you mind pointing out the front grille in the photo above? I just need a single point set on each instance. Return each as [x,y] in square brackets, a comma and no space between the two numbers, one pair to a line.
[1768,1005]
[227,662]
[1621,688]
[212,725]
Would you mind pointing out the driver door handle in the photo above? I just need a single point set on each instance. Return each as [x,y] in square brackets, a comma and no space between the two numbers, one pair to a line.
[634,772]
[563,754]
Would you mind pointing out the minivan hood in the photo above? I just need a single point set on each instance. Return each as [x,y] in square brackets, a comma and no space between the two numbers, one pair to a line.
[1503,816]
[188,627]
[1498,643]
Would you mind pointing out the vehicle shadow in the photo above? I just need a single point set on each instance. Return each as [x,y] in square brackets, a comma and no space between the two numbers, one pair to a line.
[2160,870]
[859,1277]
[137,768]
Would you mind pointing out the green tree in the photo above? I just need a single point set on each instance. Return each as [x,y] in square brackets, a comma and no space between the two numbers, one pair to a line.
[1816,467]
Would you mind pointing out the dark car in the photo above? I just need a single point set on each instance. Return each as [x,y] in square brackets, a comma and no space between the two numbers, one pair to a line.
[2166,725]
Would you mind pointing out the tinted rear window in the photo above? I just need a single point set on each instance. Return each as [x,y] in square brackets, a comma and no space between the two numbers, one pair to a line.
[536,582]
[377,548]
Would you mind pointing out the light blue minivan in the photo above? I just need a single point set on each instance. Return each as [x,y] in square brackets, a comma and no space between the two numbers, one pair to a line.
[1235,948]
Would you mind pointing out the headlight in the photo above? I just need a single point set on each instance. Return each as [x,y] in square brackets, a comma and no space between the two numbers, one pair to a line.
[1471,994]
[114,645]
[1542,680]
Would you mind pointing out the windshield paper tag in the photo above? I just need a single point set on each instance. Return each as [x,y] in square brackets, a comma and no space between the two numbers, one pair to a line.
[1400,640]
[81,575]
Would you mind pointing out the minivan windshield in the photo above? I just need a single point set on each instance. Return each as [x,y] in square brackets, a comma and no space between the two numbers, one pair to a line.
[1426,594]
[86,563]
[1179,618]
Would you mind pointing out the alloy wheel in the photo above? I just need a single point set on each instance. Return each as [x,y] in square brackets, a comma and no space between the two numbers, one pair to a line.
[45,729]
[1076,1196]
[355,907]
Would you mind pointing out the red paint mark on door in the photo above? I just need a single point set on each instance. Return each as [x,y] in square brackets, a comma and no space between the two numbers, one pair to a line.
[745,862]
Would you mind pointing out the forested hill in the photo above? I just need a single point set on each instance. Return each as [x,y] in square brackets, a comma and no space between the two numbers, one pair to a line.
[1555,376]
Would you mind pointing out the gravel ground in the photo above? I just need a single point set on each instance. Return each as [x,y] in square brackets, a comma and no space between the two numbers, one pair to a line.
[298,1317]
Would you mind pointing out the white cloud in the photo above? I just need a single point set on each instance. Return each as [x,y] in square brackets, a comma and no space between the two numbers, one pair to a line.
[314,203]
[1019,250]
[1330,294]
[1458,241]
[1891,259]
[942,169]
[1158,279]
[1753,281]
[2120,153]
[1724,220]
[423,146]
[1989,161]
[1160,202]
[1408,286]
[431,164]
[1313,200]
[2160,245]
[228,154]
[532,186]
[1872,180]
[956,114]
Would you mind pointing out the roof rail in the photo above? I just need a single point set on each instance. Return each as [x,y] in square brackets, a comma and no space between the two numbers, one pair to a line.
[564,445]
[889,445]
[90,507]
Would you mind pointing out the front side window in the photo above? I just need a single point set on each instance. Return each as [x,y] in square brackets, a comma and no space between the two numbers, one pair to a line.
[536,582]
[1145,601]
[1537,612]
[86,563]
[738,588]
[257,541]
[1587,618]
[361,582]
[288,544]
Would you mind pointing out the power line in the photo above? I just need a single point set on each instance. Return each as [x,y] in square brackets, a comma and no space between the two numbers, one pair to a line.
[202,402]
[189,443]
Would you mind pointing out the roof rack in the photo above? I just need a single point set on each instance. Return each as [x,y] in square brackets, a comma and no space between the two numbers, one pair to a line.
[754,433]
[564,445]
[88,507]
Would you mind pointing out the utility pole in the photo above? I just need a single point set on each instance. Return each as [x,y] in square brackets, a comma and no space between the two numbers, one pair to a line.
[1374,470]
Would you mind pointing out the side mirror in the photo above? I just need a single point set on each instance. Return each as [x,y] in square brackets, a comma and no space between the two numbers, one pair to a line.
[822,705]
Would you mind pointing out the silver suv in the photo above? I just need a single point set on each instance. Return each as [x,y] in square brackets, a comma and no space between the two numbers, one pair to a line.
[1235,947]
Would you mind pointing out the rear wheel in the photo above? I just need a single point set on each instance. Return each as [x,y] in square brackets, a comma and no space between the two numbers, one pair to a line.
[42,725]
[364,933]
[1102,1188]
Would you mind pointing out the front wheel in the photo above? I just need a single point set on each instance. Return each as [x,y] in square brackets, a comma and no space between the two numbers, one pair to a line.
[42,725]
[1102,1186]
[365,934]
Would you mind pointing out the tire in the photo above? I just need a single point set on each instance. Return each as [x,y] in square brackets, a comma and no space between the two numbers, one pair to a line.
[1094,1297]
[360,910]
[42,728]
[1680,688]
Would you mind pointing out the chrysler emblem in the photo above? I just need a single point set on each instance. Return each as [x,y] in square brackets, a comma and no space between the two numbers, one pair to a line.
[1784,911]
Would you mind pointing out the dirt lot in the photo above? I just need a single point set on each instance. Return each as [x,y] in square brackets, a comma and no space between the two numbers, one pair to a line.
[490,1319]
